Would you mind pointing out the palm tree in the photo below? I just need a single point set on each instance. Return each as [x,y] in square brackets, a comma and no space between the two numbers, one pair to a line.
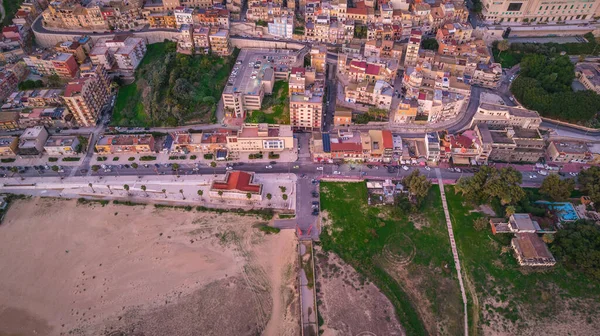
[220,193]
[165,192]
[213,164]
[285,197]
[269,196]
[14,170]
[90,185]
[181,191]
[143,187]
[282,188]
[200,193]
[126,187]
[109,189]
[175,168]
[248,196]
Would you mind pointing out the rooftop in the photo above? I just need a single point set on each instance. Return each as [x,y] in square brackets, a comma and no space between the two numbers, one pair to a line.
[574,147]
[125,140]
[532,248]
[238,181]
[513,110]
[60,140]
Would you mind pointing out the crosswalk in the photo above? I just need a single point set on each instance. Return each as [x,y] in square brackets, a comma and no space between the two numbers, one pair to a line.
[453,246]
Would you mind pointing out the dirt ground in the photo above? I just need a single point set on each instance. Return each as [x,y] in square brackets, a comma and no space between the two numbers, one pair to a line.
[348,304]
[69,268]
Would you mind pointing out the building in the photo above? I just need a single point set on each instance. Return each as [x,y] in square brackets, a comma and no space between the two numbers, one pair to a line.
[512,144]
[70,14]
[261,138]
[209,142]
[568,151]
[496,115]
[530,250]
[48,64]
[306,111]
[58,145]
[125,144]
[120,53]
[538,11]
[183,16]
[9,121]
[464,149]
[8,146]
[185,40]
[219,42]
[74,48]
[589,75]
[8,83]
[378,94]
[86,96]
[412,48]
[237,185]
[31,142]
[432,143]
[282,26]
[342,117]
[318,57]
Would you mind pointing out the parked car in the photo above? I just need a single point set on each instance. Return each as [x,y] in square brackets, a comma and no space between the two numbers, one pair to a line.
[404,168]
[320,168]
[427,168]
[336,173]
[230,168]
[269,167]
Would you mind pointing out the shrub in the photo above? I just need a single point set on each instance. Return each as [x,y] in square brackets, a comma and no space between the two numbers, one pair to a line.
[52,159]
[208,156]
[268,229]
[193,157]
[273,155]
[148,158]
[101,158]
[116,158]
[131,159]
[173,157]
[71,158]
[182,157]
[7,160]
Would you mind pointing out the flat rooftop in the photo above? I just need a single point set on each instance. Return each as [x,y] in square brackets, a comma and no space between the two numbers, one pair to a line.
[513,110]
[60,140]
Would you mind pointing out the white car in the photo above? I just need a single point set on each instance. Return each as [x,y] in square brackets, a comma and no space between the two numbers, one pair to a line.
[427,168]
[457,170]
[404,168]
[573,174]
[319,168]
[229,168]
[336,173]
[269,167]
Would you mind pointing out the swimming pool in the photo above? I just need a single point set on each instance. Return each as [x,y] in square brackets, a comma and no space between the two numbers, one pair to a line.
[565,210]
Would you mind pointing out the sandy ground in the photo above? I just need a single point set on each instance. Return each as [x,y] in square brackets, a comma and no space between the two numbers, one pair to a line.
[79,269]
[348,304]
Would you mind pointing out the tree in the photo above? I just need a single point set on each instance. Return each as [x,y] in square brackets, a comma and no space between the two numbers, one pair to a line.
[143,187]
[90,185]
[164,191]
[54,81]
[220,193]
[548,238]
[285,197]
[269,196]
[95,168]
[589,184]
[200,193]
[577,246]
[181,191]
[83,144]
[282,188]
[480,223]
[503,45]
[430,44]
[510,210]
[488,183]
[134,165]
[557,189]
[417,185]
[248,195]
[377,113]
[213,164]
[175,167]
[126,187]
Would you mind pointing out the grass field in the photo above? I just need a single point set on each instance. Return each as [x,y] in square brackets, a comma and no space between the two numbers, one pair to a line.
[509,296]
[408,259]
[275,108]
[507,58]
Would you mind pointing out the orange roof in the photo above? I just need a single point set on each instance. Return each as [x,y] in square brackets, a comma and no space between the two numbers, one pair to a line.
[388,140]
[237,181]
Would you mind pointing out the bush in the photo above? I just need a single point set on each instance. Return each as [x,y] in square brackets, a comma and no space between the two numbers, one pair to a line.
[208,156]
[193,157]
[116,158]
[173,157]
[52,159]
[255,156]
[128,203]
[273,156]
[148,158]
[182,157]
[131,159]
[268,229]
[101,158]
[7,160]
[75,158]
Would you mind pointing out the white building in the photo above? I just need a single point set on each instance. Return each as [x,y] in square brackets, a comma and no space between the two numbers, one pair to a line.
[120,53]
[282,26]
[183,15]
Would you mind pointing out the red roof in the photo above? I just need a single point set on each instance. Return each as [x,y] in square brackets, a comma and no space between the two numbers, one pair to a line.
[74,88]
[12,28]
[372,69]
[388,140]
[237,181]
[296,70]
[346,147]
[461,141]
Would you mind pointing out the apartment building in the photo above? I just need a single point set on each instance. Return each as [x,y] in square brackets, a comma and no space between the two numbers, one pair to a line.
[173,4]
[200,39]
[412,48]
[378,94]
[59,145]
[589,75]
[465,148]
[72,47]
[342,117]
[512,144]
[318,57]
[356,146]
[125,144]
[539,11]
[185,40]
[407,111]
[212,17]
[8,83]
[486,75]
[61,64]
[160,19]
[370,69]
[451,36]
[209,142]
[568,151]
[45,116]
[31,142]
[183,16]
[70,14]
[219,42]
[85,96]
[306,111]
[9,121]
[282,26]
[34,98]
[120,53]
[261,138]
[8,146]
[496,115]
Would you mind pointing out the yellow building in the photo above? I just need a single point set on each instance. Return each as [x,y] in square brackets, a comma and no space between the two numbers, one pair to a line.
[125,143]
[8,145]
[261,138]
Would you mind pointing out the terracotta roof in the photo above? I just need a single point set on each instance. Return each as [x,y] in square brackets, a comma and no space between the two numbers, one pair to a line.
[372,69]
[237,181]
[346,147]
[74,88]
[388,139]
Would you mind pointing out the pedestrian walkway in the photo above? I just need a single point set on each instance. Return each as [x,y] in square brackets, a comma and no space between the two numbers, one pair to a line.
[453,245]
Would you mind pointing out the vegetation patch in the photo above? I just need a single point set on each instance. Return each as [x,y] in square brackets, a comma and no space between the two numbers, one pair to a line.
[52,159]
[8,160]
[367,237]
[275,108]
[71,158]
[147,158]
[173,89]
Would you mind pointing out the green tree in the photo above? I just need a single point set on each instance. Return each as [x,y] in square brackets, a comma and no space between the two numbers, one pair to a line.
[213,164]
[577,246]
[134,165]
[430,44]
[248,195]
[557,189]
[126,187]
[480,223]
[417,185]
[269,196]
[143,187]
[377,113]
[503,45]
[282,188]
[548,238]
[54,81]
[220,193]
[83,144]
[95,168]
[91,187]
[285,197]
[164,191]
[589,184]
[510,210]
[489,183]
[200,193]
